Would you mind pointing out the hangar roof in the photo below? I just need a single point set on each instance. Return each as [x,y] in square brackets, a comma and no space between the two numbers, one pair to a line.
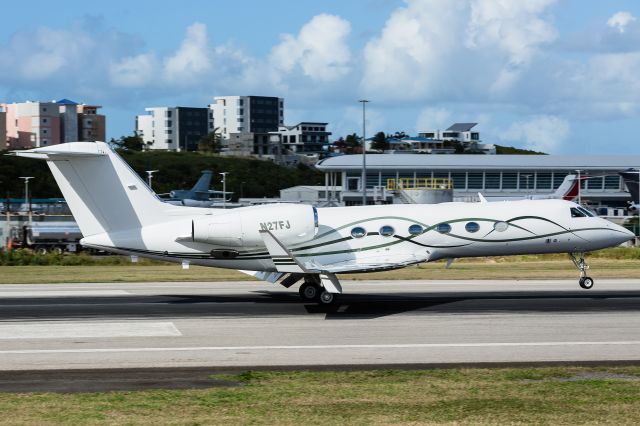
[479,162]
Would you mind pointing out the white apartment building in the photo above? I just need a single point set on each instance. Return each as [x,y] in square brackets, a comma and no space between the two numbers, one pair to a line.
[463,133]
[247,114]
[304,137]
[174,128]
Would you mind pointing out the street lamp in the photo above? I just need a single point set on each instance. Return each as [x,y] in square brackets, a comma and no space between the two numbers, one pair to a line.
[27,199]
[364,152]
[149,177]
[224,189]
[527,178]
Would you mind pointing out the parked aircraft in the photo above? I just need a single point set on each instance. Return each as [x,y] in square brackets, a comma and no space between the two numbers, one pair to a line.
[198,196]
[631,179]
[116,211]
[568,190]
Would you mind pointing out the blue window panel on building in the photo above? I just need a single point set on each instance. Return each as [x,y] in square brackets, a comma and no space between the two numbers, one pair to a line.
[543,181]
[595,183]
[612,182]
[474,180]
[459,180]
[509,180]
[492,180]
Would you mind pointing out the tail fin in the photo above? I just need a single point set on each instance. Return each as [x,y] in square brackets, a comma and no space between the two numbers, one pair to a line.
[203,184]
[568,189]
[631,180]
[102,191]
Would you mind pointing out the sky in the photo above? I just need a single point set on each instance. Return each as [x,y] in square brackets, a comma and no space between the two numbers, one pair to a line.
[559,76]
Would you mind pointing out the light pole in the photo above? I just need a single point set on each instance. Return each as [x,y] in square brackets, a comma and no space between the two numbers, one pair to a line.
[364,152]
[27,199]
[224,189]
[527,178]
[579,186]
[150,177]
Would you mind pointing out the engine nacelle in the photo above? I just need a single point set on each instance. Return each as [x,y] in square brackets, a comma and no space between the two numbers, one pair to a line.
[289,223]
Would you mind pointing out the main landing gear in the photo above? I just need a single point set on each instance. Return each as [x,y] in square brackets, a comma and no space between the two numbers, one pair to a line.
[585,281]
[312,291]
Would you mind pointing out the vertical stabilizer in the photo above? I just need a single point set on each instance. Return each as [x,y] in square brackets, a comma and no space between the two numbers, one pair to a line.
[203,184]
[102,191]
[631,179]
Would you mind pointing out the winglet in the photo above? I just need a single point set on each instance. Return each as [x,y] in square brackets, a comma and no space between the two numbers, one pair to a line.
[482,199]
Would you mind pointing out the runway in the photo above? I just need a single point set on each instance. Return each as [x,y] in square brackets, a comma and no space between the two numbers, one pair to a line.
[258,325]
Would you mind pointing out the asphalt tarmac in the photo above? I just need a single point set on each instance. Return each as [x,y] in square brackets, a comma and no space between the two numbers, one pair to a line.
[247,325]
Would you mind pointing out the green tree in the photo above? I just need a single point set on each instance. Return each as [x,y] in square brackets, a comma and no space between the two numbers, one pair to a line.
[353,143]
[380,142]
[211,142]
[129,143]
[400,135]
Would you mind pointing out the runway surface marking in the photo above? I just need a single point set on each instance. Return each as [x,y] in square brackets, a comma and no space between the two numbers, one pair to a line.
[50,330]
[62,293]
[315,347]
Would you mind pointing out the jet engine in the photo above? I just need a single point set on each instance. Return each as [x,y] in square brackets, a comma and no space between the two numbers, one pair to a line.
[289,223]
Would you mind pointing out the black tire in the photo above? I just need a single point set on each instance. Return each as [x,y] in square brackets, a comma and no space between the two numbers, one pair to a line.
[309,291]
[586,282]
[327,299]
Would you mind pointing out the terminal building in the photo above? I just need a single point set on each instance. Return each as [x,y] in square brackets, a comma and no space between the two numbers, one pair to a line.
[497,176]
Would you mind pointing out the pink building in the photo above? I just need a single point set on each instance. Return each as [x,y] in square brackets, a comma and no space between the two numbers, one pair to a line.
[32,124]
[37,124]
[3,130]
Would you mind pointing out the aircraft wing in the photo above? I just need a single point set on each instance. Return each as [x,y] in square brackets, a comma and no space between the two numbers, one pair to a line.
[367,266]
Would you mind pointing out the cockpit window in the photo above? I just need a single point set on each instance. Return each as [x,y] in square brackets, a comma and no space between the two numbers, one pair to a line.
[576,212]
[581,212]
[587,211]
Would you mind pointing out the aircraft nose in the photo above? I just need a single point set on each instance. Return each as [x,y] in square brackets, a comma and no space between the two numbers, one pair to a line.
[625,234]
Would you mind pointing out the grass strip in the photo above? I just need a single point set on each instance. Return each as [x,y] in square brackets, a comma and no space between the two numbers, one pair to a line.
[553,395]
[477,269]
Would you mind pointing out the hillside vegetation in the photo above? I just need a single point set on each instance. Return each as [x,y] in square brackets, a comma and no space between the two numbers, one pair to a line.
[176,171]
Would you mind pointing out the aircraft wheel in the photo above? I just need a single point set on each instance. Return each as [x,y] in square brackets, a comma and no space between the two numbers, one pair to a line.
[327,298]
[309,291]
[586,282]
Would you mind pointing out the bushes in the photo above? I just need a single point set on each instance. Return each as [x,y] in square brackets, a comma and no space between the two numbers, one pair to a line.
[23,257]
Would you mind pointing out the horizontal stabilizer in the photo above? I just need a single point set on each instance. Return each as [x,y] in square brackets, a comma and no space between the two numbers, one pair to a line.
[60,151]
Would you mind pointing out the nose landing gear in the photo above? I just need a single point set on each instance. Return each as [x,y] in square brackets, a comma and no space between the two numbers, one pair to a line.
[585,281]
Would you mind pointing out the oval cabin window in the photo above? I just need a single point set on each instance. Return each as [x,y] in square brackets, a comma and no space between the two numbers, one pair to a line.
[415,229]
[358,232]
[472,227]
[443,228]
[387,231]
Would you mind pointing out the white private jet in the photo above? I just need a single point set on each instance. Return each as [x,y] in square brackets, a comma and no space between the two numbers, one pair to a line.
[117,212]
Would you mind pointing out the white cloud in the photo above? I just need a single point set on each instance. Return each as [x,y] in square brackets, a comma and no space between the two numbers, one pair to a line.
[513,27]
[620,20]
[433,118]
[192,59]
[411,54]
[44,53]
[544,133]
[455,49]
[320,49]
[134,71]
